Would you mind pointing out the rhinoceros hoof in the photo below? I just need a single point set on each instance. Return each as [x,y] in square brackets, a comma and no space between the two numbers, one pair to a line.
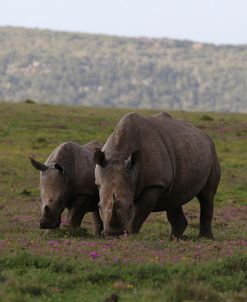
[206,236]
[184,238]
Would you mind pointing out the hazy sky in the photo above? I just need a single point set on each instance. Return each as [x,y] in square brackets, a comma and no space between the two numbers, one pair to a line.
[217,21]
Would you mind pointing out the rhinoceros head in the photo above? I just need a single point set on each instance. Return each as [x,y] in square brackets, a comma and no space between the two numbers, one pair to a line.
[53,193]
[116,180]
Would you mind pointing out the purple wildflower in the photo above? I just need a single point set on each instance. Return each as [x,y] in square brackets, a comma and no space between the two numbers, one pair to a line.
[94,255]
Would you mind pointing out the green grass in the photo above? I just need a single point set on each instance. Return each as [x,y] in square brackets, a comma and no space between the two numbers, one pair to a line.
[54,279]
[71,265]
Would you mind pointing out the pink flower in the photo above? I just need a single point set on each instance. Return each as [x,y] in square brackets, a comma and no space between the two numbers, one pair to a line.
[53,243]
[94,255]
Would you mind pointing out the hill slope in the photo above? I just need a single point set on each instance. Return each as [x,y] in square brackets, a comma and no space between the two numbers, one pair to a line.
[85,69]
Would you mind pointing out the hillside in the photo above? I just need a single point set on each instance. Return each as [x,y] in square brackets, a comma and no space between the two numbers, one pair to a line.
[97,70]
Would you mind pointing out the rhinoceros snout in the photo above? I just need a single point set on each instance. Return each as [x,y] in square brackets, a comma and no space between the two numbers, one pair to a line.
[47,225]
[113,234]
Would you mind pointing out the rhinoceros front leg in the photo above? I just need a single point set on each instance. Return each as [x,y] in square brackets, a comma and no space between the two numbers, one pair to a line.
[178,222]
[77,210]
[97,224]
[143,207]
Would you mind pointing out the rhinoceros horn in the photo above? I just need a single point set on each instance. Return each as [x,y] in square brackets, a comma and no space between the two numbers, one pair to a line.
[114,221]
[37,165]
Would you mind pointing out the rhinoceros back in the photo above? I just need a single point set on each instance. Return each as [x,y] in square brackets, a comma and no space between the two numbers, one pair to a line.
[192,155]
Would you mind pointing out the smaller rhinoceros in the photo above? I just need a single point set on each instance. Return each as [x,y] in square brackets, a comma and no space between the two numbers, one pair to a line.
[67,181]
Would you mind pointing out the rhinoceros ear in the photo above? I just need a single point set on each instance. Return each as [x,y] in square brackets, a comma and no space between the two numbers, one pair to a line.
[59,168]
[99,157]
[37,165]
[132,159]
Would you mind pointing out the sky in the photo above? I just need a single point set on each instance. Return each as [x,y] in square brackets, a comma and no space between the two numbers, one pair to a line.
[212,21]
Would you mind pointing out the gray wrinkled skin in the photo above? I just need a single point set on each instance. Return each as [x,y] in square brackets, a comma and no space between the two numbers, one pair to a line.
[67,181]
[155,164]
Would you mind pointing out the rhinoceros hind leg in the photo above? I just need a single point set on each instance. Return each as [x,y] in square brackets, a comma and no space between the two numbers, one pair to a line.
[178,222]
[206,200]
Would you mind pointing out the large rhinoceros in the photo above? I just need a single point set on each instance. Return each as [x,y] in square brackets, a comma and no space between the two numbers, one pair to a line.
[67,181]
[155,164]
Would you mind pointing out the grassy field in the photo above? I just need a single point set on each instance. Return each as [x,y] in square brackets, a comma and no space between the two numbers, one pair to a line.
[71,265]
